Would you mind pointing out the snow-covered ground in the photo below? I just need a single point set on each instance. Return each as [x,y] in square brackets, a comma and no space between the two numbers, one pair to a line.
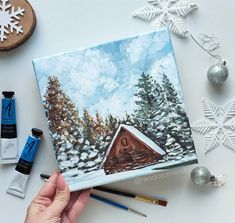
[99,177]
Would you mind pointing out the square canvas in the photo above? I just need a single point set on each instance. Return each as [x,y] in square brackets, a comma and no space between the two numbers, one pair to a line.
[115,110]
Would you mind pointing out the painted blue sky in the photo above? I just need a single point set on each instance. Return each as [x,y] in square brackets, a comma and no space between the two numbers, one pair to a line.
[103,77]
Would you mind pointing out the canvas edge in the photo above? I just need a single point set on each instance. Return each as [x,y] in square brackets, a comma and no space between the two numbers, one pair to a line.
[35,60]
[76,187]
[148,172]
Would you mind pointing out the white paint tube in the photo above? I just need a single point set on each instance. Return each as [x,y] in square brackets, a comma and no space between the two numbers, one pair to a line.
[19,182]
[9,146]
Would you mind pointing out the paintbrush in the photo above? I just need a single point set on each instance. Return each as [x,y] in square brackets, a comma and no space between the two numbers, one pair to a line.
[116,204]
[45,177]
[136,197]
[125,194]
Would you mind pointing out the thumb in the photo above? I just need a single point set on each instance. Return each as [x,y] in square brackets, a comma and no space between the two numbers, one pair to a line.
[61,198]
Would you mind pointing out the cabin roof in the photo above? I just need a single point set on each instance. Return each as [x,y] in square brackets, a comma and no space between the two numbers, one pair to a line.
[139,135]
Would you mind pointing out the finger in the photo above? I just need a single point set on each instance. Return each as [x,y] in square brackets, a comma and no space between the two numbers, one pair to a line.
[49,188]
[41,201]
[73,197]
[64,218]
[61,198]
[79,205]
[38,205]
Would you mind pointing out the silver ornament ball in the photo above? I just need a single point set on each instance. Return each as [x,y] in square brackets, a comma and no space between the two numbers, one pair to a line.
[201,175]
[218,73]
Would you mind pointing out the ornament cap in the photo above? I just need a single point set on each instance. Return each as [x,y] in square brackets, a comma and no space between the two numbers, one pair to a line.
[37,132]
[213,178]
[8,94]
[223,62]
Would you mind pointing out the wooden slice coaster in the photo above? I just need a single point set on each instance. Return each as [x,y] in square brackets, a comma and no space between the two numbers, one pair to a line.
[17,23]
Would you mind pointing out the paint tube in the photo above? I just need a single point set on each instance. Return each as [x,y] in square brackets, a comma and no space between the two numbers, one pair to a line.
[22,171]
[9,146]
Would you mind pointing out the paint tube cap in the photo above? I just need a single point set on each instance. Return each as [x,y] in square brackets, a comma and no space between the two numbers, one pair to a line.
[8,94]
[37,132]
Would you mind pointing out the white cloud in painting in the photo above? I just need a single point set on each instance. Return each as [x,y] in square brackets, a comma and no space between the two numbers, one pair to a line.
[54,65]
[116,104]
[110,84]
[93,70]
[104,78]
[95,79]
[137,48]
[167,65]
[131,80]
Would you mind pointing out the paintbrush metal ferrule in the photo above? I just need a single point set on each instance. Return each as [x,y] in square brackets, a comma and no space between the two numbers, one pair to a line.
[151,200]
[136,212]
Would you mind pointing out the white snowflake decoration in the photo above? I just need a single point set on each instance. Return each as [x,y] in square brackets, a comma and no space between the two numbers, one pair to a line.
[218,125]
[9,19]
[166,13]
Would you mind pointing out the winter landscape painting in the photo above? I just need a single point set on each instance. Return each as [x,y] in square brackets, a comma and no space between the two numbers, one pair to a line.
[115,110]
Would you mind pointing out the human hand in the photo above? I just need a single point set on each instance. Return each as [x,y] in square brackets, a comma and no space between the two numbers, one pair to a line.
[55,204]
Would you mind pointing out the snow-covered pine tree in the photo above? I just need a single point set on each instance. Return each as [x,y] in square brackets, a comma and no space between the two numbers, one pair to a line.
[102,132]
[170,93]
[88,127]
[96,139]
[112,124]
[54,104]
[99,125]
[129,120]
[149,100]
[157,128]
[165,120]
[64,121]
[182,131]
[178,141]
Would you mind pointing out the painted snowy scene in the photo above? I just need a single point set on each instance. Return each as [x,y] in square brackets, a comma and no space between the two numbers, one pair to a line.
[116,110]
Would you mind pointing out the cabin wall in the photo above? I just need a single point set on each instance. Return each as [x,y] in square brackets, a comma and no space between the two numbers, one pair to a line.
[128,153]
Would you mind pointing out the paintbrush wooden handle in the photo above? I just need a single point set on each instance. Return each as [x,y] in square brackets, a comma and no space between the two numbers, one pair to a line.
[151,200]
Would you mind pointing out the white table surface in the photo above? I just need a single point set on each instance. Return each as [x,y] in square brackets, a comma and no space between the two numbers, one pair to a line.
[65,25]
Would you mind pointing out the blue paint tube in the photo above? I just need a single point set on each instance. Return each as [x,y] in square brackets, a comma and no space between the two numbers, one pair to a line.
[22,171]
[9,146]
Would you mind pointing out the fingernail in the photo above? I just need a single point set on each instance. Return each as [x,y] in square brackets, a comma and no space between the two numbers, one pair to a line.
[52,178]
[61,183]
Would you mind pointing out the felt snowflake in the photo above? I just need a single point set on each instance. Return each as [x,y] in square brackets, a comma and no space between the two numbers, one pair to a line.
[166,13]
[218,125]
[9,19]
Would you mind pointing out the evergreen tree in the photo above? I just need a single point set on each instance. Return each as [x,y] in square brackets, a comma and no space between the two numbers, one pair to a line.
[181,130]
[99,125]
[128,120]
[161,117]
[149,100]
[112,124]
[80,143]
[178,138]
[170,93]
[88,127]
[63,117]
[157,128]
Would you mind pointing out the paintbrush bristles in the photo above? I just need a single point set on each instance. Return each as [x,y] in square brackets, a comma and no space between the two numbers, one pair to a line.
[162,203]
